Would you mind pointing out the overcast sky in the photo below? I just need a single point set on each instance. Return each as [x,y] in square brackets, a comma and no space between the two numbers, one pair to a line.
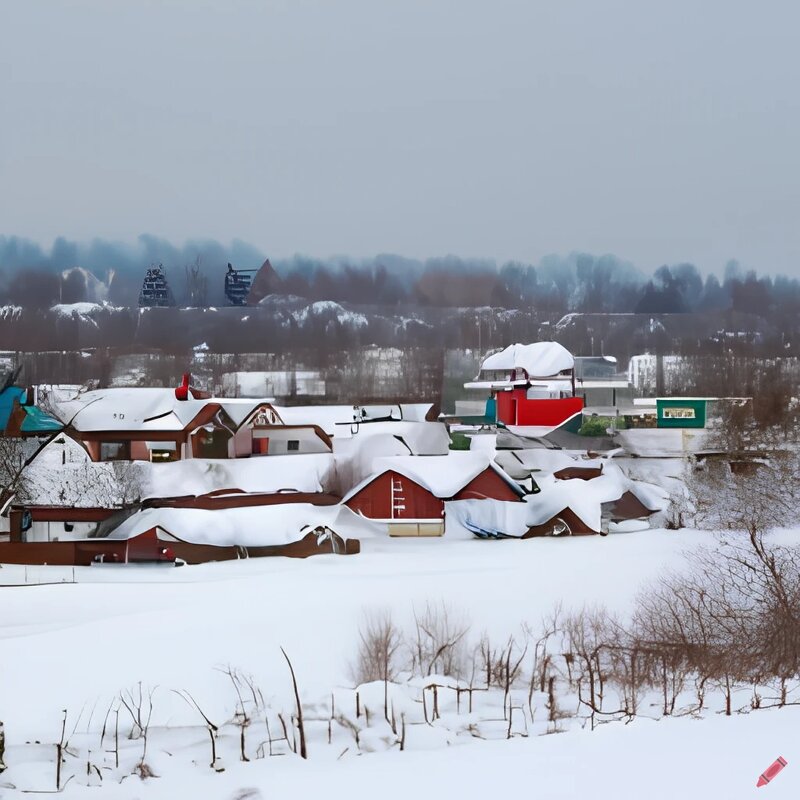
[658,131]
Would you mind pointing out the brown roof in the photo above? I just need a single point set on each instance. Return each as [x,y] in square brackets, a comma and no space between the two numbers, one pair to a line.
[629,506]
[582,473]
[236,498]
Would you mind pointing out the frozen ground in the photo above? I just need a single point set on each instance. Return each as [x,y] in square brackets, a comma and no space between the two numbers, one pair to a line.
[70,646]
[714,758]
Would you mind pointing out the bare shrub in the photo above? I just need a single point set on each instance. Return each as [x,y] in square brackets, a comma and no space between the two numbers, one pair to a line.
[249,701]
[439,644]
[380,641]
[586,633]
[139,704]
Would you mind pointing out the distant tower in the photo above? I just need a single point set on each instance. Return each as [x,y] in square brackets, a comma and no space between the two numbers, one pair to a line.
[155,289]
[237,285]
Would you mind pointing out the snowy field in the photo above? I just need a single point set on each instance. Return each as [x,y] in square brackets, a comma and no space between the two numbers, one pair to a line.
[73,646]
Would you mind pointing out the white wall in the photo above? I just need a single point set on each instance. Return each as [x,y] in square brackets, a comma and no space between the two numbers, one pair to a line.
[278,441]
[55,531]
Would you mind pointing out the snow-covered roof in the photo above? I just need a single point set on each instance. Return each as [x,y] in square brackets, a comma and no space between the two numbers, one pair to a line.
[250,527]
[240,409]
[539,360]
[126,409]
[535,460]
[308,472]
[405,438]
[338,420]
[145,409]
[507,518]
[585,498]
[443,476]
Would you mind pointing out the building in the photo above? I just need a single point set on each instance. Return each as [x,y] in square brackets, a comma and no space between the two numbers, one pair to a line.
[532,388]
[407,494]
[162,425]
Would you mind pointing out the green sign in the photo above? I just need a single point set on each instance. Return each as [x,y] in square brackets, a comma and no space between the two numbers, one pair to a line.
[681,413]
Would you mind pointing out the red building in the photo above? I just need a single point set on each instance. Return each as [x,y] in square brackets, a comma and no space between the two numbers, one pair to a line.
[531,386]
[408,495]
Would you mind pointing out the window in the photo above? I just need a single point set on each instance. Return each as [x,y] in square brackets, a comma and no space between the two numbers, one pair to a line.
[162,451]
[157,456]
[114,451]
[293,445]
[678,413]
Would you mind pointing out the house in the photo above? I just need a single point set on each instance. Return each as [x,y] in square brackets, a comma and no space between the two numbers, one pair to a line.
[532,388]
[407,494]
[574,496]
[343,421]
[85,552]
[196,530]
[51,523]
[163,425]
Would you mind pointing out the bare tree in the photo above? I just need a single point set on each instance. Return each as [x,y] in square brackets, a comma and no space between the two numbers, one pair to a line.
[15,457]
[249,701]
[380,641]
[196,285]
[439,644]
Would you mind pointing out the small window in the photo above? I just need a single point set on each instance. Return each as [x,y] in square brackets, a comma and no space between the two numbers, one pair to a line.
[157,456]
[293,444]
[678,413]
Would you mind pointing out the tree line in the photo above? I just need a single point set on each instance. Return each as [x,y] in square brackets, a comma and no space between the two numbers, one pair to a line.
[71,272]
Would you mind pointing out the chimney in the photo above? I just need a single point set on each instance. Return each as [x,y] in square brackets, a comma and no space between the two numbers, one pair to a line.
[182,392]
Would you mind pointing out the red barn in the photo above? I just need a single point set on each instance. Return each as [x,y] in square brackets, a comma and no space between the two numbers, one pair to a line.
[408,494]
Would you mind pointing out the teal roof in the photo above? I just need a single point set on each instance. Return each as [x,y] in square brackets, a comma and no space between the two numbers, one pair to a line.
[36,420]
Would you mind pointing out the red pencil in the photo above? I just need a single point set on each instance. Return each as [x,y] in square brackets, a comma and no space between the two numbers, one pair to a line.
[771,771]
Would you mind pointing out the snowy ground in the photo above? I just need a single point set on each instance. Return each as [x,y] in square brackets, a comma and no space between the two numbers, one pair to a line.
[72,646]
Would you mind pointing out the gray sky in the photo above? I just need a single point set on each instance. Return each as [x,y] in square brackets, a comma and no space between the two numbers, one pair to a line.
[660,132]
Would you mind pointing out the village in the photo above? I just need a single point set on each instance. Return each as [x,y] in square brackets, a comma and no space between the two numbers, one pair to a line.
[175,476]
[551,482]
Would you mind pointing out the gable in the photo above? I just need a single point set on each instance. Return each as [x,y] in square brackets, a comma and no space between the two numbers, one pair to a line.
[487,485]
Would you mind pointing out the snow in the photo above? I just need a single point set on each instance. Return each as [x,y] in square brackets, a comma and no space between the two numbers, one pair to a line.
[341,421]
[661,442]
[83,309]
[310,606]
[442,475]
[310,472]
[329,308]
[72,646]
[666,760]
[145,409]
[259,526]
[130,409]
[77,644]
[539,360]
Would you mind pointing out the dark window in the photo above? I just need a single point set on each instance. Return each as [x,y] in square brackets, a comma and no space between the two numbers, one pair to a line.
[114,451]
[293,444]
